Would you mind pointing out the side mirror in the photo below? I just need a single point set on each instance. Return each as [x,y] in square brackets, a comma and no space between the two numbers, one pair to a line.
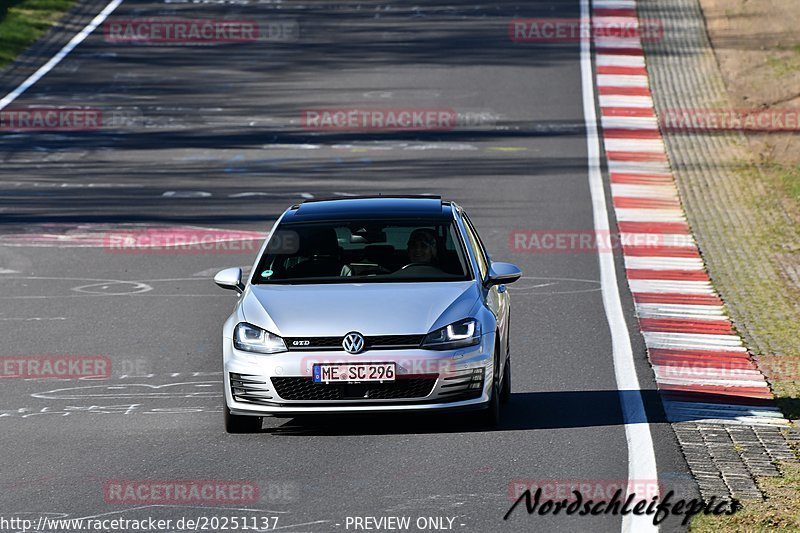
[503,273]
[230,278]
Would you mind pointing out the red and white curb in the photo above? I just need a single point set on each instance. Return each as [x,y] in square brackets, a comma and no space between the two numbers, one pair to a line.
[702,368]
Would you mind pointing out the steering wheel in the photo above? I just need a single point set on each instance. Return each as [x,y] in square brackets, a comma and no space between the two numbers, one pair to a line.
[373,270]
[416,264]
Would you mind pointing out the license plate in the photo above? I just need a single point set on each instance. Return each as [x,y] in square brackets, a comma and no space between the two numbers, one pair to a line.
[349,372]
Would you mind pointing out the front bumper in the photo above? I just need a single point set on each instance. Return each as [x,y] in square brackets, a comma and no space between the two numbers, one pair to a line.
[427,380]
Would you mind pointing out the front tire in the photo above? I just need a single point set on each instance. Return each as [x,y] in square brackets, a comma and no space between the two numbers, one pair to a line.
[505,394]
[241,424]
[491,416]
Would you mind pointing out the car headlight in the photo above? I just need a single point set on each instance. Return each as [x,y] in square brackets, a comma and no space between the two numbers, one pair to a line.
[465,332]
[249,338]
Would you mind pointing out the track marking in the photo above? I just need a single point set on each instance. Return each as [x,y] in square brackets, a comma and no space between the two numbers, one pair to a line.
[32,319]
[60,55]
[187,389]
[641,455]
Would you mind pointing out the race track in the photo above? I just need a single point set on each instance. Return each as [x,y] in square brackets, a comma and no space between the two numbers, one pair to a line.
[212,136]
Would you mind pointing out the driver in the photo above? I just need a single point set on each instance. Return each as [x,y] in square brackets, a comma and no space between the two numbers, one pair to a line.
[422,246]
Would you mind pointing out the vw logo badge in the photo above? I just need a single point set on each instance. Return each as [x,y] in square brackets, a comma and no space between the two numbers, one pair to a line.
[353,343]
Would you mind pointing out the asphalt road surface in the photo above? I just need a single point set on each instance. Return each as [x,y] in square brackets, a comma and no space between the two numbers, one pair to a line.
[211,136]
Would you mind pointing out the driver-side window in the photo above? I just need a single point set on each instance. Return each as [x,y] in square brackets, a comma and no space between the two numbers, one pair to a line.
[477,247]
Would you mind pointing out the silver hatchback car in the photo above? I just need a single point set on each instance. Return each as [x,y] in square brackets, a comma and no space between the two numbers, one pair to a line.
[368,304]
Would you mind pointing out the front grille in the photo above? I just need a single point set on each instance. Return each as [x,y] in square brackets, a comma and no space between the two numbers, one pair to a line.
[377,342]
[299,388]
[249,388]
[394,341]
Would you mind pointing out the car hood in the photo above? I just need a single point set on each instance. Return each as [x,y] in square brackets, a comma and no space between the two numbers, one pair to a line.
[370,308]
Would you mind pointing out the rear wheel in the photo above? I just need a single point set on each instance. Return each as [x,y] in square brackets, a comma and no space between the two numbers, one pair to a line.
[241,424]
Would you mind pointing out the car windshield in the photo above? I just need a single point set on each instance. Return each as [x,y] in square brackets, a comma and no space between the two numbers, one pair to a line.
[363,251]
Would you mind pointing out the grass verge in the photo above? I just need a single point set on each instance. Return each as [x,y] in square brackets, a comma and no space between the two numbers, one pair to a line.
[22,22]
[780,511]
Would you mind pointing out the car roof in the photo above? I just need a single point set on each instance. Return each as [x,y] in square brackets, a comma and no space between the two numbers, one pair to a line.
[370,207]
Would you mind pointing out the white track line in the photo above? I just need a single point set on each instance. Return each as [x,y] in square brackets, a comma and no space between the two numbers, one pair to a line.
[56,59]
[641,454]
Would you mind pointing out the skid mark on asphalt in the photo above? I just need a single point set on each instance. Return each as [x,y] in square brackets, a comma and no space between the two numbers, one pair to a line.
[305,195]
[123,409]
[119,238]
[186,194]
[127,395]
[442,502]
[31,319]
[64,185]
[188,389]
[108,289]
[529,285]
[102,288]
[210,272]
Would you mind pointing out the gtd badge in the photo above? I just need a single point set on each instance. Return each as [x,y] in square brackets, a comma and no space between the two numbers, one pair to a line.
[353,343]
[301,343]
